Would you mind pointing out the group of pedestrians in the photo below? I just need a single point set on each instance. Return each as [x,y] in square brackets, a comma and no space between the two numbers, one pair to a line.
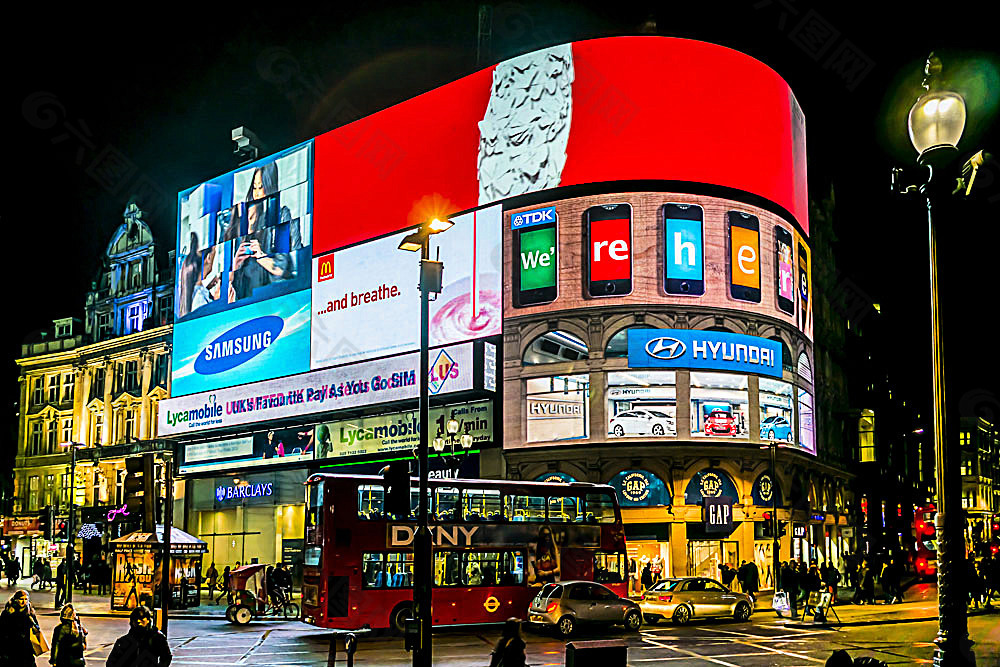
[798,581]
[21,639]
[644,573]
[747,575]
[984,580]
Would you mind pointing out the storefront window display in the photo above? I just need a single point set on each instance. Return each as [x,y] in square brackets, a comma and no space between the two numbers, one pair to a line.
[705,557]
[776,421]
[807,437]
[557,408]
[719,405]
[257,518]
[642,403]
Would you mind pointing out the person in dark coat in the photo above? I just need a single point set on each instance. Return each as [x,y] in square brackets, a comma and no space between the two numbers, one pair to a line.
[69,640]
[749,578]
[17,622]
[61,583]
[647,577]
[509,650]
[143,646]
[13,569]
[728,574]
[790,584]
[226,589]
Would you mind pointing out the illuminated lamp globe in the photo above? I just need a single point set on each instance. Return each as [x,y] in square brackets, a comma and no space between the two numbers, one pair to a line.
[936,119]
[466,440]
[438,444]
[453,426]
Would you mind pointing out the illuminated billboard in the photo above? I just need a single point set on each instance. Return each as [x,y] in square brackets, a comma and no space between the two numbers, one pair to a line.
[365,301]
[244,261]
[538,121]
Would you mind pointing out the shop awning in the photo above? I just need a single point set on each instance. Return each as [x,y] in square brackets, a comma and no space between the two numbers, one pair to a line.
[181,543]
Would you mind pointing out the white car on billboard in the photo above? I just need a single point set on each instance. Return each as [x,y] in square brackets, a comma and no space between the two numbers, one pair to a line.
[642,422]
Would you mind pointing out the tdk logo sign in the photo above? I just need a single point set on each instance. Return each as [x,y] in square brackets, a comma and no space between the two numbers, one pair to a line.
[539,216]
[716,350]
[239,345]
[665,348]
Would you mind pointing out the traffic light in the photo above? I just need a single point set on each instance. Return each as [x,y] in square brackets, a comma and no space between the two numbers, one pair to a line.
[995,526]
[139,497]
[781,528]
[396,476]
[60,530]
[768,527]
[45,523]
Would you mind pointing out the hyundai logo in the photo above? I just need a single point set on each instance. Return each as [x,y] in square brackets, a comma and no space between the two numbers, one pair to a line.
[665,348]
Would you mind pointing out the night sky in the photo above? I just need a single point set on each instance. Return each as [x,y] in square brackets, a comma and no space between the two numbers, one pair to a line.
[97,110]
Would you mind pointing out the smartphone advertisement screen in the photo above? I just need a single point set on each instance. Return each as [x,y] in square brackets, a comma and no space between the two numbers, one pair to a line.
[683,258]
[610,249]
[786,269]
[535,252]
[744,260]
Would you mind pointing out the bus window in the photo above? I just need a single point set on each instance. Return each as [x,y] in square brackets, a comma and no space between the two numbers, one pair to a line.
[600,508]
[512,568]
[483,505]
[372,570]
[565,509]
[447,568]
[609,567]
[525,508]
[314,517]
[446,504]
[415,499]
[399,569]
[481,568]
[370,501]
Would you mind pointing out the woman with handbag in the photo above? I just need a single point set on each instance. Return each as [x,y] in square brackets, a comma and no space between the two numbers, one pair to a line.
[19,634]
[69,640]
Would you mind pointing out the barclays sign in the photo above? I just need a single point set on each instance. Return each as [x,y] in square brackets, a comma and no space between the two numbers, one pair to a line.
[712,350]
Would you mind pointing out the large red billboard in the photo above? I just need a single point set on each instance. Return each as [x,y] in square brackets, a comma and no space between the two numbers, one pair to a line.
[603,110]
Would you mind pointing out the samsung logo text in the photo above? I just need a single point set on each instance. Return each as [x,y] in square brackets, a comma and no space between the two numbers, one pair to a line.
[239,345]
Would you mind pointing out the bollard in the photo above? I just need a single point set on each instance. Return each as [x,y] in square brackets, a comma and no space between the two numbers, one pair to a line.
[601,653]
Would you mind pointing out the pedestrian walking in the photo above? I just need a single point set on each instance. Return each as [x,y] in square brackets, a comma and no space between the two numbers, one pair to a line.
[752,581]
[868,583]
[61,583]
[212,577]
[728,574]
[509,650]
[790,583]
[633,577]
[831,577]
[103,577]
[142,646]
[18,630]
[13,570]
[69,640]
[975,582]
[647,575]
[988,571]
[226,587]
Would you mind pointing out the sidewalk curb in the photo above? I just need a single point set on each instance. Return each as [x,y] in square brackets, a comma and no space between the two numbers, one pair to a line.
[888,621]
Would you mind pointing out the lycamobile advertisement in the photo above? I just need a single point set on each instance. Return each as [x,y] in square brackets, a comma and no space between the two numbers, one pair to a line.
[258,341]
[367,383]
[365,302]
[260,449]
[400,431]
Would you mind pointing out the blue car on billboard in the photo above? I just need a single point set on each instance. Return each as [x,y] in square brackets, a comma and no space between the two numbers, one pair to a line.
[776,427]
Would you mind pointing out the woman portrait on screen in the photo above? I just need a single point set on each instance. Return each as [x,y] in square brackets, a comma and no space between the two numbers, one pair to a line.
[187,277]
[545,560]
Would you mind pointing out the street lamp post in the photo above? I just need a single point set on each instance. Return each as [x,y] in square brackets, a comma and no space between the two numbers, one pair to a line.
[452,427]
[935,123]
[70,528]
[772,445]
[430,281]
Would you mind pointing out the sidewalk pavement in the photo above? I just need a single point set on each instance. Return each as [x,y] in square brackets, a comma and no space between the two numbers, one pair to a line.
[89,604]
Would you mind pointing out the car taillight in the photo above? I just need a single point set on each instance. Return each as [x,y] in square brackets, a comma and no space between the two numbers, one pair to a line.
[551,607]
[666,598]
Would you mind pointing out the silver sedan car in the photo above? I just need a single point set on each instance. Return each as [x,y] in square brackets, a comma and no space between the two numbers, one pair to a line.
[682,599]
[569,604]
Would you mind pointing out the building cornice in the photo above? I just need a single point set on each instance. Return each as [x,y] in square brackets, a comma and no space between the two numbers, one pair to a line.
[105,347]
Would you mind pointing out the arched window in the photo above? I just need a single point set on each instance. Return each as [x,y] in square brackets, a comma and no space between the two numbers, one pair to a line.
[618,344]
[805,368]
[786,354]
[555,477]
[640,488]
[553,347]
[710,483]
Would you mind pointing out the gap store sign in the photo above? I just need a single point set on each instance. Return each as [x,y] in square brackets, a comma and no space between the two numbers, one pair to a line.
[712,350]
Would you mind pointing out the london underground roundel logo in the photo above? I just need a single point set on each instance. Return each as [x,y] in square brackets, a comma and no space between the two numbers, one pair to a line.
[665,348]
[239,345]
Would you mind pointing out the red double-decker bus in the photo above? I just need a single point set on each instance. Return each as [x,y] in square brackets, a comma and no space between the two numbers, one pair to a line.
[924,543]
[496,543]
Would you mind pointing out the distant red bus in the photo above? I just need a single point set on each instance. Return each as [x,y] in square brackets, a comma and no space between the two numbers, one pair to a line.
[925,541]
[496,543]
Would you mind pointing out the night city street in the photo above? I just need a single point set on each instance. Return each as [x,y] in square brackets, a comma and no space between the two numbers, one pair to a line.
[469,333]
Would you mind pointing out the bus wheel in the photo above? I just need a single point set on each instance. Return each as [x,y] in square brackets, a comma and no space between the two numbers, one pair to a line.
[397,621]
[242,615]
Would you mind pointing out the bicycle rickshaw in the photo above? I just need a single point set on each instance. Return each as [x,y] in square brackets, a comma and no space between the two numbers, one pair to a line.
[251,597]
